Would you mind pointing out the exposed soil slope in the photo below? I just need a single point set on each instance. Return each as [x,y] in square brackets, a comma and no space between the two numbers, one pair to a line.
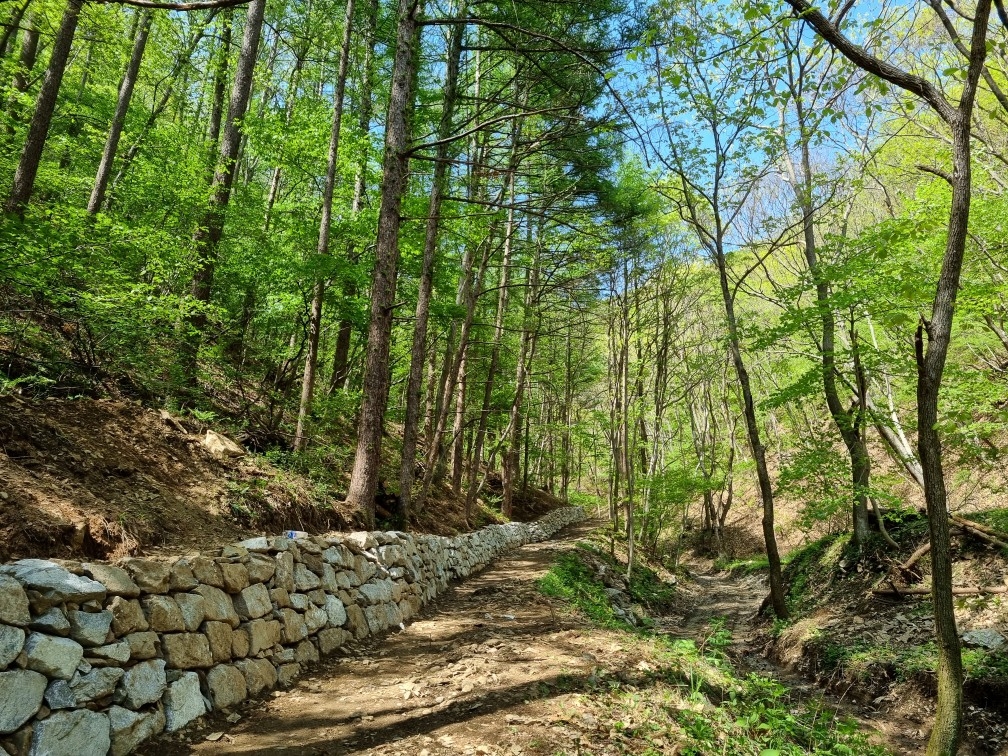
[108,478]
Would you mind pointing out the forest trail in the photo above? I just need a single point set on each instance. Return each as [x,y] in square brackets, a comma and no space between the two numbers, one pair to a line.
[493,667]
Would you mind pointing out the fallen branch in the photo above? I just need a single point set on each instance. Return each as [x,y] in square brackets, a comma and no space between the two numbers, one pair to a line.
[915,557]
[976,528]
[920,591]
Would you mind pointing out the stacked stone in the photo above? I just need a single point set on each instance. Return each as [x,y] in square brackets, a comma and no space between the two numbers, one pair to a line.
[96,658]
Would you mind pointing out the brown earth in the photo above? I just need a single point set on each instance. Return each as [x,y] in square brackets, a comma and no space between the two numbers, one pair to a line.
[494,667]
[103,479]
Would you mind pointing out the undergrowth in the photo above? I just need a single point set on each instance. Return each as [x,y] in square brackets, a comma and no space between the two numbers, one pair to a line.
[687,695]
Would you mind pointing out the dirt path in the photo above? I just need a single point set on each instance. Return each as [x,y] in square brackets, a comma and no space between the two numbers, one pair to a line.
[491,668]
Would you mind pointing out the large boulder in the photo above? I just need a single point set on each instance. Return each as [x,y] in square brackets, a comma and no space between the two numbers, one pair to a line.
[131,728]
[259,675]
[51,584]
[150,576]
[183,702]
[335,612]
[115,579]
[186,650]
[219,636]
[12,640]
[21,692]
[127,616]
[142,684]
[221,446]
[163,614]
[81,733]
[89,628]
[193,608]
[253,602]
[218,605]
[53,657]
[82,689]
[53,621]
[226,685]
[13,602]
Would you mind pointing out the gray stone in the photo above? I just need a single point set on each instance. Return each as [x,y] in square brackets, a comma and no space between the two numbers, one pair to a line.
[261,568]
[283,655]
[315,619]
[21,692]
[226,685]
[89,628]
[52,583]
[13,602]
[259,675]
[284,575]
[115,579]
[183,702]
[53,621]
[362,540]
[253,602]
[305,579]
[142,684]
[80,732]
[127,616]
[207,571]
[53,657]
[280,598]
[150,576]
[219,636]
[263,634]
[331,639]
[145,645]
[82,689]
[260,544]
[335,612]
[193,608]
[182,577]
[235,552]
[356,621]
[985,637]
[130,728]
[300,602]
[306,652]
[338,556]
[218,605]
[118,652]
[392,556]
[240,643]
[377,592]
[343,580]
[235,577]
[287,674]
[11,642]
[186,650]
[163,614]
[293,627]
[317,597]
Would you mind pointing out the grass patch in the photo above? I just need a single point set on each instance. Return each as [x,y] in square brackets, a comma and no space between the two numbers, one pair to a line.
[686,695]
[993,518]
[748,566]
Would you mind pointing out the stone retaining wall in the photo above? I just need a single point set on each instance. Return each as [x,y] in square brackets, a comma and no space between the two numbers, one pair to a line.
[99,657]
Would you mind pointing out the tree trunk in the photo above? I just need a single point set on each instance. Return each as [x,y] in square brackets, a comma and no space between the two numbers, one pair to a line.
[759,453]
[119,117]
[322,250]
[207,236]
[45,105]
[418,353]
[11,29]
[367,460]
[512,446]
[341,353]
[22,73]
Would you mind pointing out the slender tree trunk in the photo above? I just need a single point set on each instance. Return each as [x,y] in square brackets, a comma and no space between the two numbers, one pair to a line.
[318,295]
[341,353]
[208,235]
[418,353]
[45,105]
[512,446]
[11,29]
[119,117]
[367,460]
[759,452]
[22,73]
[458,427]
